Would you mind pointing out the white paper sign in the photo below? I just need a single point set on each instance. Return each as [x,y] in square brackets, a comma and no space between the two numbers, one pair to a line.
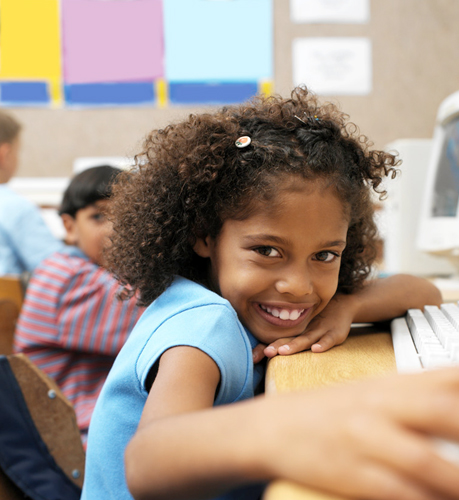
[330,11]
[333,65]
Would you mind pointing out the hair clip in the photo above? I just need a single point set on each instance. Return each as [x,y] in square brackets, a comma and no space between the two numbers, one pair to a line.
[299,119]
[316,118]
[243,141]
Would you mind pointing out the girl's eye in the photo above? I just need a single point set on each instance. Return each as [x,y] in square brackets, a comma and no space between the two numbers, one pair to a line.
[267,251]
[326,256]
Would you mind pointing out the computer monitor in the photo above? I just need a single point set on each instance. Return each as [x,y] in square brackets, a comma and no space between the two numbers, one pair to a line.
[438,231]
[397,216]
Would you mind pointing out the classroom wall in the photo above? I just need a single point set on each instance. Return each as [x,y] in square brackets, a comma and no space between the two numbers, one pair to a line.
[415,54]
[415,64]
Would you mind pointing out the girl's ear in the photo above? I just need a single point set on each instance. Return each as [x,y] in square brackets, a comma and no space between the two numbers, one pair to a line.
[203,246]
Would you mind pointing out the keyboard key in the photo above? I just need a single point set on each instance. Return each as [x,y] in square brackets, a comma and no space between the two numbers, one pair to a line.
[428,340]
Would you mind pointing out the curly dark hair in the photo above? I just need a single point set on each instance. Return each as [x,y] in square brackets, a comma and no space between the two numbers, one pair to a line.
[191,177]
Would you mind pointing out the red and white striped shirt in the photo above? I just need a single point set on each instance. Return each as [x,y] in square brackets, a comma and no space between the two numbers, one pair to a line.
[72,326]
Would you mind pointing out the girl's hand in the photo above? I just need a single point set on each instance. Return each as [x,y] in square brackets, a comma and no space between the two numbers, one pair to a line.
[331,327]
[258,353]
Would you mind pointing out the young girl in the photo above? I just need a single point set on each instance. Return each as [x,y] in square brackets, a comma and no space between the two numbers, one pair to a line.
[251,225]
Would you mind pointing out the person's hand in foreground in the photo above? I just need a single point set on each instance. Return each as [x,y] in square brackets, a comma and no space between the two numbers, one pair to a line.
[367,440]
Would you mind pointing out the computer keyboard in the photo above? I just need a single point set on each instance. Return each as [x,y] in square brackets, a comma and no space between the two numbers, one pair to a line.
[428,340]
[425,340]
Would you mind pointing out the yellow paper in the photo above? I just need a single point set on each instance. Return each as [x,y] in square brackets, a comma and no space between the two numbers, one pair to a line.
[162,93]
[265,87]
[30,40]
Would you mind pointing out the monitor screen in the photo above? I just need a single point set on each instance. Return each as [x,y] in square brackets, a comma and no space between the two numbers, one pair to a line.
[446,189]
[438,229]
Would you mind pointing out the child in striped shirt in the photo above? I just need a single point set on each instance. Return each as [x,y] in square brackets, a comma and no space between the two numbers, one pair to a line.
[73,324]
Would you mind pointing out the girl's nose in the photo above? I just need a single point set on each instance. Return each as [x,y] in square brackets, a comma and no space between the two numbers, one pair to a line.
[297,283]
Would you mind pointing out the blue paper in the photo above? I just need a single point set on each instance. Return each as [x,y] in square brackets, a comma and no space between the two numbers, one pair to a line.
[24,93]
[210,40]
[208,93]
[126,93]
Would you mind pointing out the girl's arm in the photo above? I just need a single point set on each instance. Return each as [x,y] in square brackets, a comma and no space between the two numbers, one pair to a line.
[378,300]
[315,438]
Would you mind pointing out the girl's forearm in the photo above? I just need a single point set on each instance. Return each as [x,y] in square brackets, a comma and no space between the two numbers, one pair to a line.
[387,298]
[316,438]
[197,455]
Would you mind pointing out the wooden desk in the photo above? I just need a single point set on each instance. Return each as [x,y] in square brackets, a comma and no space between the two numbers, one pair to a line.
[367,352]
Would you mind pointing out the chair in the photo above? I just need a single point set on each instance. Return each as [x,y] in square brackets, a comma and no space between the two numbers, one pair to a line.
[41,455]
[9,313]
[11,288]
[11,297]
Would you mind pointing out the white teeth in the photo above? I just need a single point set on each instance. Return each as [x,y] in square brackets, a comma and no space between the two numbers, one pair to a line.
[295,314]
[284,314]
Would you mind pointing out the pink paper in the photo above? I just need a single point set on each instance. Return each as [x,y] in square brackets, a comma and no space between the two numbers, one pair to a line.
[112,40]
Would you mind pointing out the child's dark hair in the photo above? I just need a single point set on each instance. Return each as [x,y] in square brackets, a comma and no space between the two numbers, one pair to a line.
[89,186]
[191,178]
[9,127]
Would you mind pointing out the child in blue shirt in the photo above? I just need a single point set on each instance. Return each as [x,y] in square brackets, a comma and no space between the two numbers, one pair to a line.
[25,240]
[254,225]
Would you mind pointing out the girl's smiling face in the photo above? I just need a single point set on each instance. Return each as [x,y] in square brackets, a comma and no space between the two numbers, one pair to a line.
[279,267]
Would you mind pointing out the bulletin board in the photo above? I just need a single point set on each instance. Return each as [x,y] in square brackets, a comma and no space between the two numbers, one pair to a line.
[245,46]
[95,53]
[414,55]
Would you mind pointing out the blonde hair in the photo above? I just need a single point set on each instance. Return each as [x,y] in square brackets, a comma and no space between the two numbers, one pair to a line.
[9,127]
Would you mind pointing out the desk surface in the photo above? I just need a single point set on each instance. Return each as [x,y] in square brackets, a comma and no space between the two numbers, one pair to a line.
[367,352]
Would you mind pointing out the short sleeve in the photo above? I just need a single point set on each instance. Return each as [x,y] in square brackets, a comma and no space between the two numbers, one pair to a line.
[215,330]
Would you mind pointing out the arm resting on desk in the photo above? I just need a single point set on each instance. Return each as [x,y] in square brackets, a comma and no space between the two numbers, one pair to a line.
[378,300]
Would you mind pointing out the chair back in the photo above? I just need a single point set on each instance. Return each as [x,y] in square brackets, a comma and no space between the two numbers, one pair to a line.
[11,288]
[41,454]
[9,313]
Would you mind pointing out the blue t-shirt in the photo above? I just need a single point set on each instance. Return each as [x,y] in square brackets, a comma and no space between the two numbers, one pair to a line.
[25,240]
[185,314]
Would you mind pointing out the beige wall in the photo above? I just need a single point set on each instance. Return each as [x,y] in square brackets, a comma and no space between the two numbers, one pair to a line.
[415,66]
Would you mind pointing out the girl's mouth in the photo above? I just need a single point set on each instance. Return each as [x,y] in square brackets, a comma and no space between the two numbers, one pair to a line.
[281,316]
